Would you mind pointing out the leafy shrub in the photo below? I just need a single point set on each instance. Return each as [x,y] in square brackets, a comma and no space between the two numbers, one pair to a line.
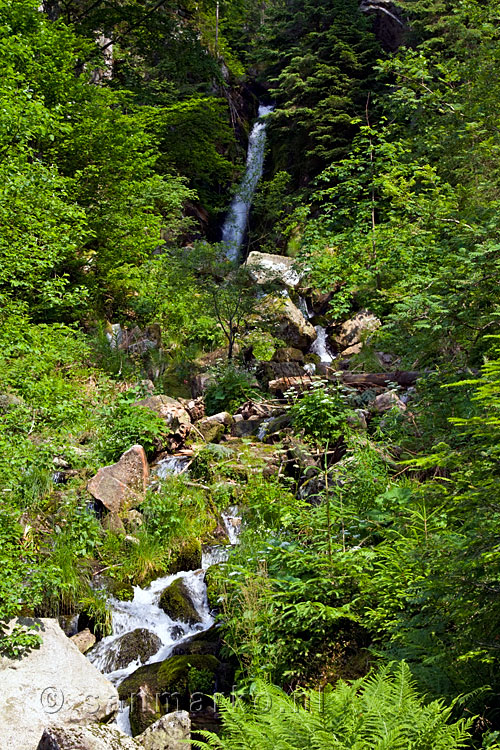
[231,387]
[126,424]
[320,413]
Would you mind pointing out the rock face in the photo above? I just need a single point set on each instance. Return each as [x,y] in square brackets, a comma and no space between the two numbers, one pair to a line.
[175,416]
[289,323]
[171,732]
[94,737]
[84,640]
[139,644]
[177,603]
[52,684]
[122,485]
[353,331]
[388,400]
[265,268]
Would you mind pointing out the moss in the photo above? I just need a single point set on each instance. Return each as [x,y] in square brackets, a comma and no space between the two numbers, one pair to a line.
[177,675]
[176,602]
[213,586]
[188,557]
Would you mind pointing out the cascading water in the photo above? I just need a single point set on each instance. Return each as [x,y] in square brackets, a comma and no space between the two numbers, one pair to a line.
[319,346]
[235,223]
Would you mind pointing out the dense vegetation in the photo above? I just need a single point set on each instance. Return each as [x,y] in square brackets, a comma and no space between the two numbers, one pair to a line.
[368,588]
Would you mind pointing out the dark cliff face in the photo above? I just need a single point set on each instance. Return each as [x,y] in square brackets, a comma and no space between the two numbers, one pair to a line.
[389,25]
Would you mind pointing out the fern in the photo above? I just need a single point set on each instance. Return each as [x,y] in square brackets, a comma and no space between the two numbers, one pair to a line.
[382,711]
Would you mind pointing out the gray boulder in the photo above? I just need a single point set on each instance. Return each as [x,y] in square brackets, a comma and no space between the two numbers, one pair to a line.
[54,683]
[288,322]
[171,732]
[265,268]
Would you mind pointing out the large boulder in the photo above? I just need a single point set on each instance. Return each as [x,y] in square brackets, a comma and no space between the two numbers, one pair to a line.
[357,329]
[52,683]
[173,414]
[177,602]
[287,322]
[137,645]
[173,681]
[94,737]
[265,268]
[122,485]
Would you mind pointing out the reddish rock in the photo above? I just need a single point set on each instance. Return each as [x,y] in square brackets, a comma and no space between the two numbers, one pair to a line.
[122,485]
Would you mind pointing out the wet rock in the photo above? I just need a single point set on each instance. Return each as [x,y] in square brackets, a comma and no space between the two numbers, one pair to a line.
[137,645]
[84,640]
[388,400]
[170,732]
[94,737]
[173,414]
[288,354]
[122,485]
[176,601]
[357,329]
[207,642]
[52,679]
[299,384]
[288,323]
[265,268]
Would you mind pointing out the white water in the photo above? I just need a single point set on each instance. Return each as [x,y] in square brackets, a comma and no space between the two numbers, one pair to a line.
[232,523]
[171,465]
[235,223]
[319,346]
[144,612]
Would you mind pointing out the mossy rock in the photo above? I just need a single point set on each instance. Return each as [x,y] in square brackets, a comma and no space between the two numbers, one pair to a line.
[174,679]
[188,557]
[177,603]
[139,644]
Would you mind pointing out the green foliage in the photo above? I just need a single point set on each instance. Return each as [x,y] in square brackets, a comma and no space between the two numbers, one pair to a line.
[230,388]
[382,710]
[321,413]
[125,424]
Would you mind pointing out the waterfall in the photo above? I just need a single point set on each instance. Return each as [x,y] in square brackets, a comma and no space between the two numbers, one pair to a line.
[319,346]
[235,223]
